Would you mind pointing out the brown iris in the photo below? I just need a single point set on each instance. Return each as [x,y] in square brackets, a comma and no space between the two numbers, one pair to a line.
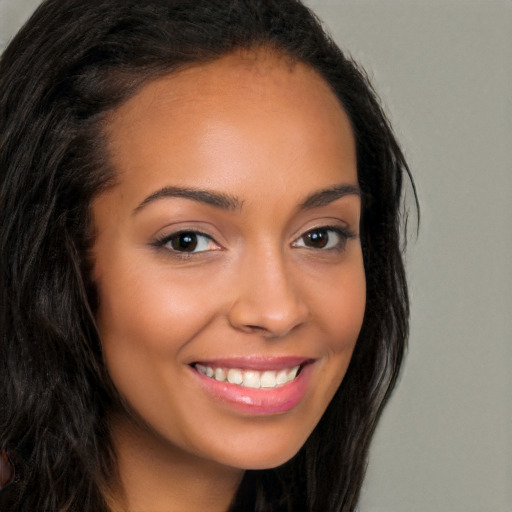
[185,241]
[317,238]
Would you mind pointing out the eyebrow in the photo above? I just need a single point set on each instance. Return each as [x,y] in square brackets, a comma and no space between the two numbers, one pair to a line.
[328,195]
[216,199]
[228,202]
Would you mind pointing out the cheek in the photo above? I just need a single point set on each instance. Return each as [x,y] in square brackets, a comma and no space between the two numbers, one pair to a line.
[146,309]
[342,307]
[146,318]
[344,312]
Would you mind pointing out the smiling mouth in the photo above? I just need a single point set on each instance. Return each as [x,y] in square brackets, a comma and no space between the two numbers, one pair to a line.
[254,379]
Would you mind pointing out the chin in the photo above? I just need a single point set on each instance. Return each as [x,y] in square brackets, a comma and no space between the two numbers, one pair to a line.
[258,455]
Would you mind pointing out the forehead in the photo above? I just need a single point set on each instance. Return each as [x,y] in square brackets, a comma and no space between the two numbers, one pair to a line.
[259,77]
[240,118]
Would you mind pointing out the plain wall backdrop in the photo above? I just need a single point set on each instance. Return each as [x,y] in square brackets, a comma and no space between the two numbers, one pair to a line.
[444,72]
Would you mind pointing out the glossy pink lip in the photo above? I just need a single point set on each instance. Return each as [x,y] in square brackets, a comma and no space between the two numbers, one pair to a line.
[258,401]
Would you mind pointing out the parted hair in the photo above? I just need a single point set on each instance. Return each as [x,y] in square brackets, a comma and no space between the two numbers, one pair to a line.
[72,64]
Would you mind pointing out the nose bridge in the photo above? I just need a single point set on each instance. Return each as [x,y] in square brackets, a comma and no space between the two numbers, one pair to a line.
[268,298]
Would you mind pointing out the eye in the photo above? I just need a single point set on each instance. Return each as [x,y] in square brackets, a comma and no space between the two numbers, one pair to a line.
[187,242]
[326,237]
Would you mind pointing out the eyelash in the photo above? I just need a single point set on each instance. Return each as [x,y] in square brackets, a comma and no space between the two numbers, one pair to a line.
[165,240]
[162,242]
[344,235]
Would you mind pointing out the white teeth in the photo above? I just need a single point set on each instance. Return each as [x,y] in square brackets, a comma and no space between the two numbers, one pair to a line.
[201,368]
[282,377]
[268,379]
[235,376]
[250,378]
[220,374]
[293,373]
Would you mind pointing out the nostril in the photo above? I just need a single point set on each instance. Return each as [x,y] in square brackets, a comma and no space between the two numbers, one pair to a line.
[255,327]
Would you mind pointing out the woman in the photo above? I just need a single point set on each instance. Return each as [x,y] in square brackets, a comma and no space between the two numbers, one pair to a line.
[204,304]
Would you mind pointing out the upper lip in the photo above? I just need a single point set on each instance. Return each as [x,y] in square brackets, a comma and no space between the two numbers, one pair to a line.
[256,363]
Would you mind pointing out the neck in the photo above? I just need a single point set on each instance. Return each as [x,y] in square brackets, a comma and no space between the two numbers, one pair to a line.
[156,476]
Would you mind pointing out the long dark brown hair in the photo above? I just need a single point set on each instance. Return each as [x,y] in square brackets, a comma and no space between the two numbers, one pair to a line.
[70,65]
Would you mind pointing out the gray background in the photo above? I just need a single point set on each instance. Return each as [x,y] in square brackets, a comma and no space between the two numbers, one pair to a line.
[444,72]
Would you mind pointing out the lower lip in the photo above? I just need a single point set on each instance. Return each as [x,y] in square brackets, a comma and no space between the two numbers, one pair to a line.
[258,401]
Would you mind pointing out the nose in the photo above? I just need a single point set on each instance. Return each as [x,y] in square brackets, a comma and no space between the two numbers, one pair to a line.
[268,300]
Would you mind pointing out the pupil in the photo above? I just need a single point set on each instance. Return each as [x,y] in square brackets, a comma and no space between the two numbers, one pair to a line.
[185,242]
[318,238]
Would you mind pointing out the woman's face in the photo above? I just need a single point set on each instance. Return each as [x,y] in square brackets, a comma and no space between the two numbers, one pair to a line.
[227,258]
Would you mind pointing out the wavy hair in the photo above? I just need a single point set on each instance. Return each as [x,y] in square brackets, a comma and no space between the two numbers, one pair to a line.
[72,64]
